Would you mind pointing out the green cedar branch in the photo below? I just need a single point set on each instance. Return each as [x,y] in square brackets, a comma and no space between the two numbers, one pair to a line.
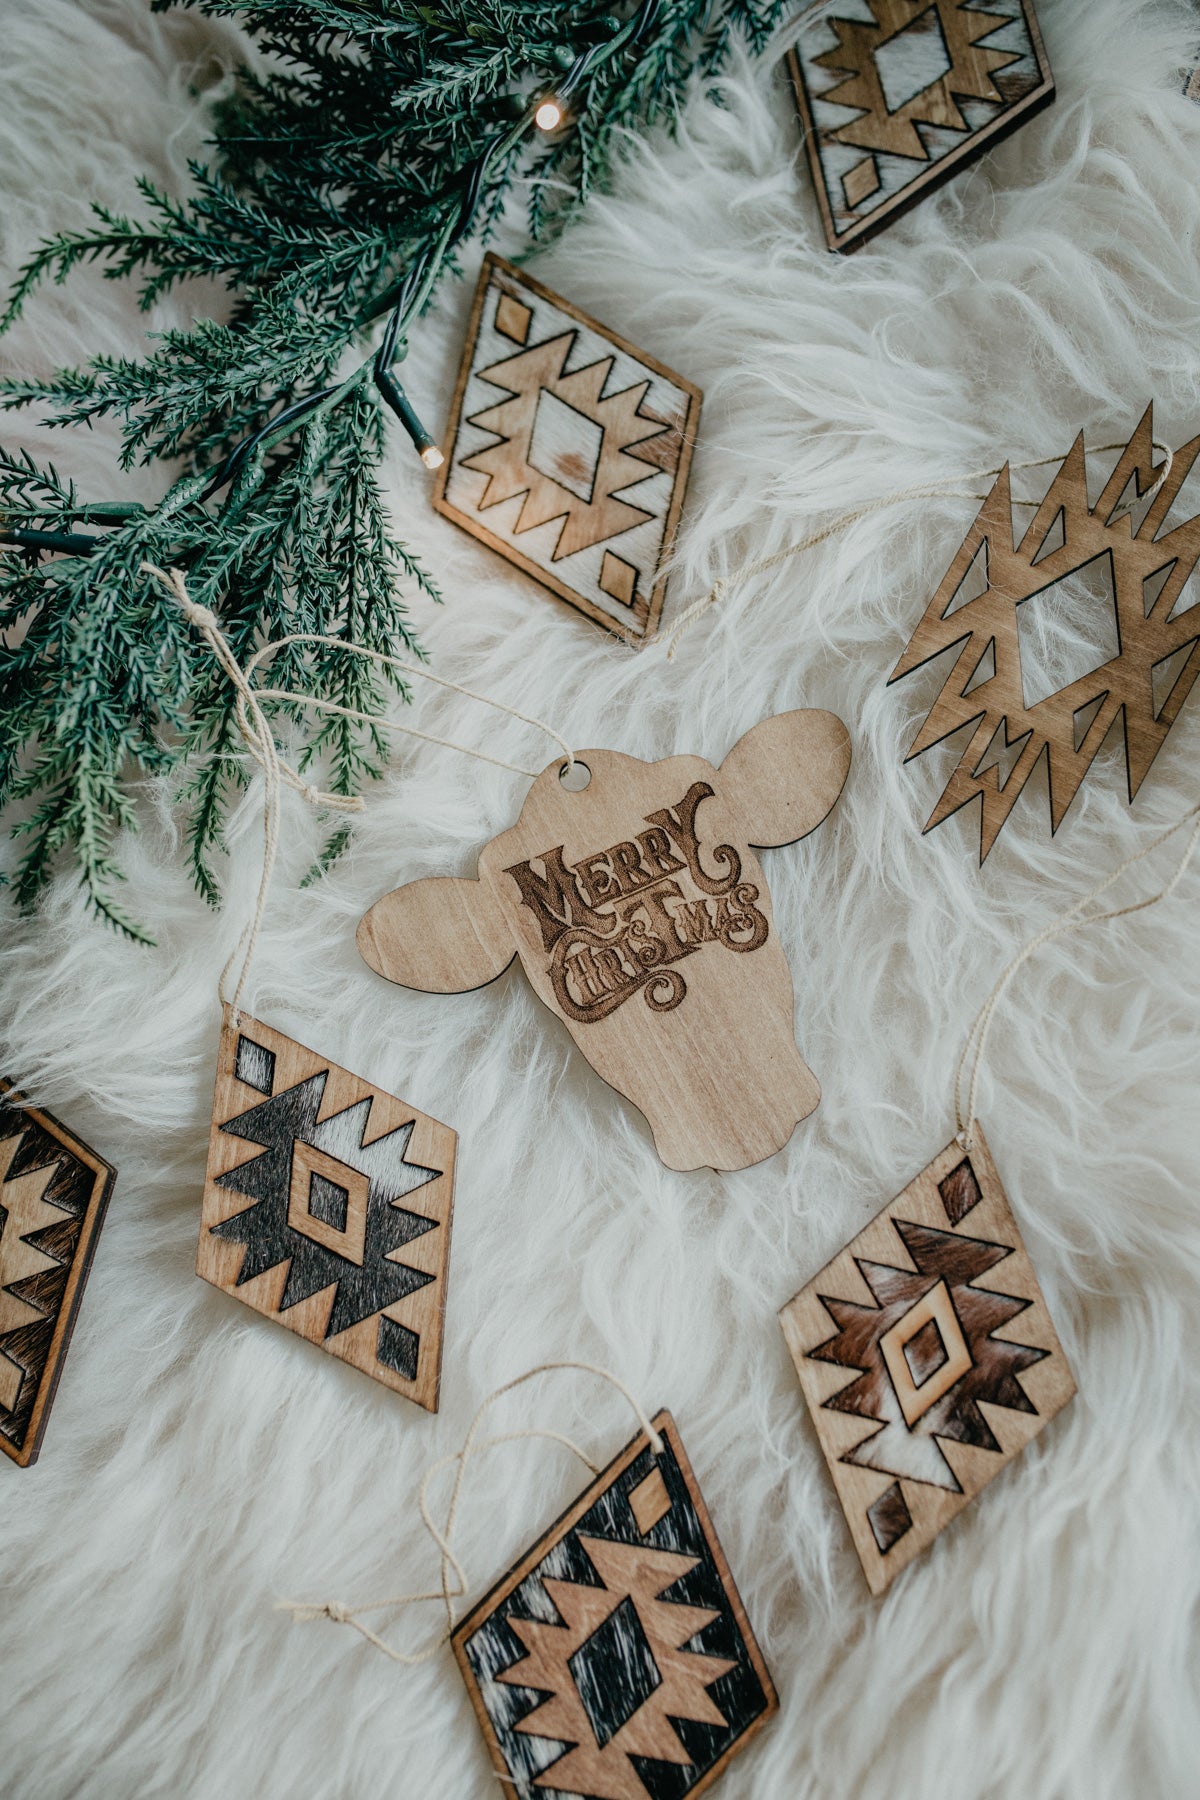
[370,141]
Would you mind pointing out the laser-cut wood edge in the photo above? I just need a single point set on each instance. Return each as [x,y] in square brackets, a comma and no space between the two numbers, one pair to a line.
[977,144]
[1054,1377]
[665,1425]
[105,1176]
[468,522]
[214,1258]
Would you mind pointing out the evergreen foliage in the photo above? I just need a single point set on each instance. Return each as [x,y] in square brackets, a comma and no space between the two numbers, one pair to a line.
[373,138]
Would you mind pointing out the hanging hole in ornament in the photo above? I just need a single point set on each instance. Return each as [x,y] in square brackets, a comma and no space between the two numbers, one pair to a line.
[574,776]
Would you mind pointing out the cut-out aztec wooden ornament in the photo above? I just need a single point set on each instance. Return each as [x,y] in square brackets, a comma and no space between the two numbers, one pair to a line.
[927,1358]
[1089,568]
[568,450]
[643,920]
[327,1207]
[896,95]
[53,1195]
[616,1661]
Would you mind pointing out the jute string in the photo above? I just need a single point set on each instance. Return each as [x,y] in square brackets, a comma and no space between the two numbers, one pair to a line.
[454,1584]
[950,489]
[259,739]
[1072,919]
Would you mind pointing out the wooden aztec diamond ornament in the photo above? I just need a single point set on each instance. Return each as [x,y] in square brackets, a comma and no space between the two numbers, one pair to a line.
[53,1195]
[616,1661]
[1135,581]
[896,95]
[643,920]
[327,1207]
[568,450]
[927,1358]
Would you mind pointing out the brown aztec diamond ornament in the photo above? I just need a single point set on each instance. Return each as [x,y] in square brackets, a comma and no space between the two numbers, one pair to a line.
[896,95]
[53,1195]
[927,1357]
[1135,584]
[616,1661]
[568,450]
[327,1207]
[643,920]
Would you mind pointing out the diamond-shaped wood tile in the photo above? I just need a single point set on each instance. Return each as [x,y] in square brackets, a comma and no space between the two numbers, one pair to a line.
[568,450]
[896,95]
[327,1207]
[927,1357]
[53,1195]
[616,1661]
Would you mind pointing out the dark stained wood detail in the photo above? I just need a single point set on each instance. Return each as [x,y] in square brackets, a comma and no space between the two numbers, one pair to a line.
[889,1517]
[54,1191]
[926,1357]
[612,1662]
[328,1207]
[960,1192]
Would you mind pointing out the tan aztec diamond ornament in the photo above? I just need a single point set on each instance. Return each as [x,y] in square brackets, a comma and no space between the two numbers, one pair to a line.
[1134,582]
[568,450]
[616,1661]
[927,1357]
[896,95]
[643,920]
[327,1207]
[54,1192]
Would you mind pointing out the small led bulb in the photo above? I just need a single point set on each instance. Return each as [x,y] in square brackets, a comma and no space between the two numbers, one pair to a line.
[549,115]
[432,457]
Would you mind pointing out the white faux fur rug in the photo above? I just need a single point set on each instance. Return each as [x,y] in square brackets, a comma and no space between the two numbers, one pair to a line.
[201,1463]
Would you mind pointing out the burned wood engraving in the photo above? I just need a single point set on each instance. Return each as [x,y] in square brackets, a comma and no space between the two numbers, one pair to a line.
[53,1194]
[643,920]
[927,1358]
[568,450]
[896,95]
[327,1207]
[616,1661]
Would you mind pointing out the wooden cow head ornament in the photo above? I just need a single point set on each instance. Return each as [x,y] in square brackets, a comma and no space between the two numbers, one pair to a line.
[643,920]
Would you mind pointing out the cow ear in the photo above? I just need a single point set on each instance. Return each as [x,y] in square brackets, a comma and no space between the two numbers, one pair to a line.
[783,777]
[443,936]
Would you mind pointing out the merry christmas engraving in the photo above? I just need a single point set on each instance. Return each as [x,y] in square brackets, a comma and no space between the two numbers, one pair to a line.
[646,882]
[617,921]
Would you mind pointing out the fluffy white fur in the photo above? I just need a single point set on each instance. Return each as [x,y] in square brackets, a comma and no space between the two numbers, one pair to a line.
[201,1463]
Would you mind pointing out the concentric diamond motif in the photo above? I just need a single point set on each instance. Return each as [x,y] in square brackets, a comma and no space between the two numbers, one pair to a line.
[327,1207]
[927,1357]
[616,1662]
[921,86]
[569,450]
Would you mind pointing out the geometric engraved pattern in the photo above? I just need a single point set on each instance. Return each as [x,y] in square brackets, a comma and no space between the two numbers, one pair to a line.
[895,95]
[1144,575]
[307,1211]
[53,1194]
[615,1661]
[568,450]
[927,1357]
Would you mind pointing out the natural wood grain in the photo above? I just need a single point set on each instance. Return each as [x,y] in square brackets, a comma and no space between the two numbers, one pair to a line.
[643,920]
[927,1357]
[1145,575]
[53,1194]
[568,450]
[881,100]
[328,1206]
[575,1662]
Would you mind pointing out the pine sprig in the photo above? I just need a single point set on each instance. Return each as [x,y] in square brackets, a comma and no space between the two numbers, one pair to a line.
[373,139]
